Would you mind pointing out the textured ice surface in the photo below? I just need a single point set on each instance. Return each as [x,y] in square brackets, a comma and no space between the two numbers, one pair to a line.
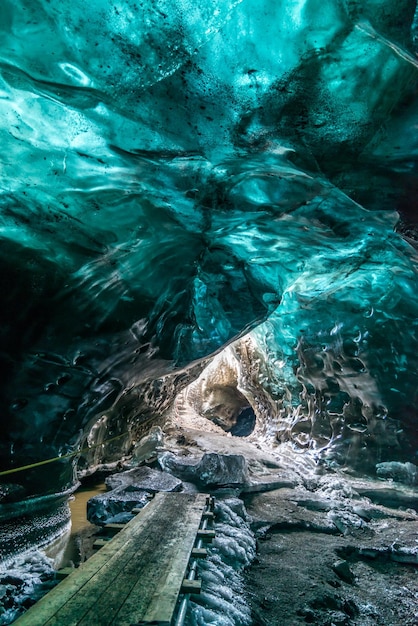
[128,490]
[32,523]
[145,478]
[401,472]
[116,505]
[176,173]
[22,582]
[212,469]
[222,601]
[147,446]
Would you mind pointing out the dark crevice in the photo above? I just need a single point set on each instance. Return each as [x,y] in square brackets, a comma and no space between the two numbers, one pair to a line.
[245,423]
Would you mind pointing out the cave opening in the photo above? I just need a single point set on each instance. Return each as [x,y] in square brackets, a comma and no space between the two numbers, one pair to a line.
[245,423]
[208,271]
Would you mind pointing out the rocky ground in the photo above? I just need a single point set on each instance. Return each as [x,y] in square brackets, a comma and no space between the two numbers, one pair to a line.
[329,558]
[332,549]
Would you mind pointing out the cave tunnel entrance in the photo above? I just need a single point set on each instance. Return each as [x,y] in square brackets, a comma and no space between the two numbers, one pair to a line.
[245,423]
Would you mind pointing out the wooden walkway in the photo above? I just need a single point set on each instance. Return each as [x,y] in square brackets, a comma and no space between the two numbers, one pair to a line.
[136,577]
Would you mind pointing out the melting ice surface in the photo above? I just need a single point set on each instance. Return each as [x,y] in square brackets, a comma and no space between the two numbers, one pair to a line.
[176,174]
[26,580]
[223,601]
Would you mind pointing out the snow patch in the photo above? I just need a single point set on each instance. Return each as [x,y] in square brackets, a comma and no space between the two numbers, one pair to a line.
[23,582]
[222,601]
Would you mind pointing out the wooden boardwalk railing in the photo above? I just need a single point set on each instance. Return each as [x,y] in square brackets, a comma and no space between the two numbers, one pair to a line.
[136,577]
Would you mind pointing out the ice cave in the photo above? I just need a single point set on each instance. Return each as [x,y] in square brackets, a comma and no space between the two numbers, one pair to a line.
[209,280]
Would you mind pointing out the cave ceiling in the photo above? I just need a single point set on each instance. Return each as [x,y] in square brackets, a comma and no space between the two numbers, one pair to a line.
[177,176]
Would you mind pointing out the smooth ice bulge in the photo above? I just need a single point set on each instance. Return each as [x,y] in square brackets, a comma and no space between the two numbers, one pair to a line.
[177,174]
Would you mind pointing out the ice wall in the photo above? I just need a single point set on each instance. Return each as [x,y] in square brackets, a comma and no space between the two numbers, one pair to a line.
[175,173]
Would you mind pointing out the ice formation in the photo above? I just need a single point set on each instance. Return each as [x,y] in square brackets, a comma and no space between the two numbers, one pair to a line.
[177,175]
[223,600]
[26,579]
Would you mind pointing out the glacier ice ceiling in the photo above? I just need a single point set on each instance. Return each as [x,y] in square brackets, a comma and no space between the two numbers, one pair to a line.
[177,175]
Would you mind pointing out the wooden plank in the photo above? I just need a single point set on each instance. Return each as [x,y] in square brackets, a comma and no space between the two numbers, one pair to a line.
[64,572]
[145,560]
[135,567]
[206,535]
[107,557]
[164,575]
[191,586]
[199,553]
[99,543]
[113,527]
[135,577]
[209,515]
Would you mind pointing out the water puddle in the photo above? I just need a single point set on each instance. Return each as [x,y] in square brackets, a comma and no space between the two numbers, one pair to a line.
[78,506]
[76,546]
